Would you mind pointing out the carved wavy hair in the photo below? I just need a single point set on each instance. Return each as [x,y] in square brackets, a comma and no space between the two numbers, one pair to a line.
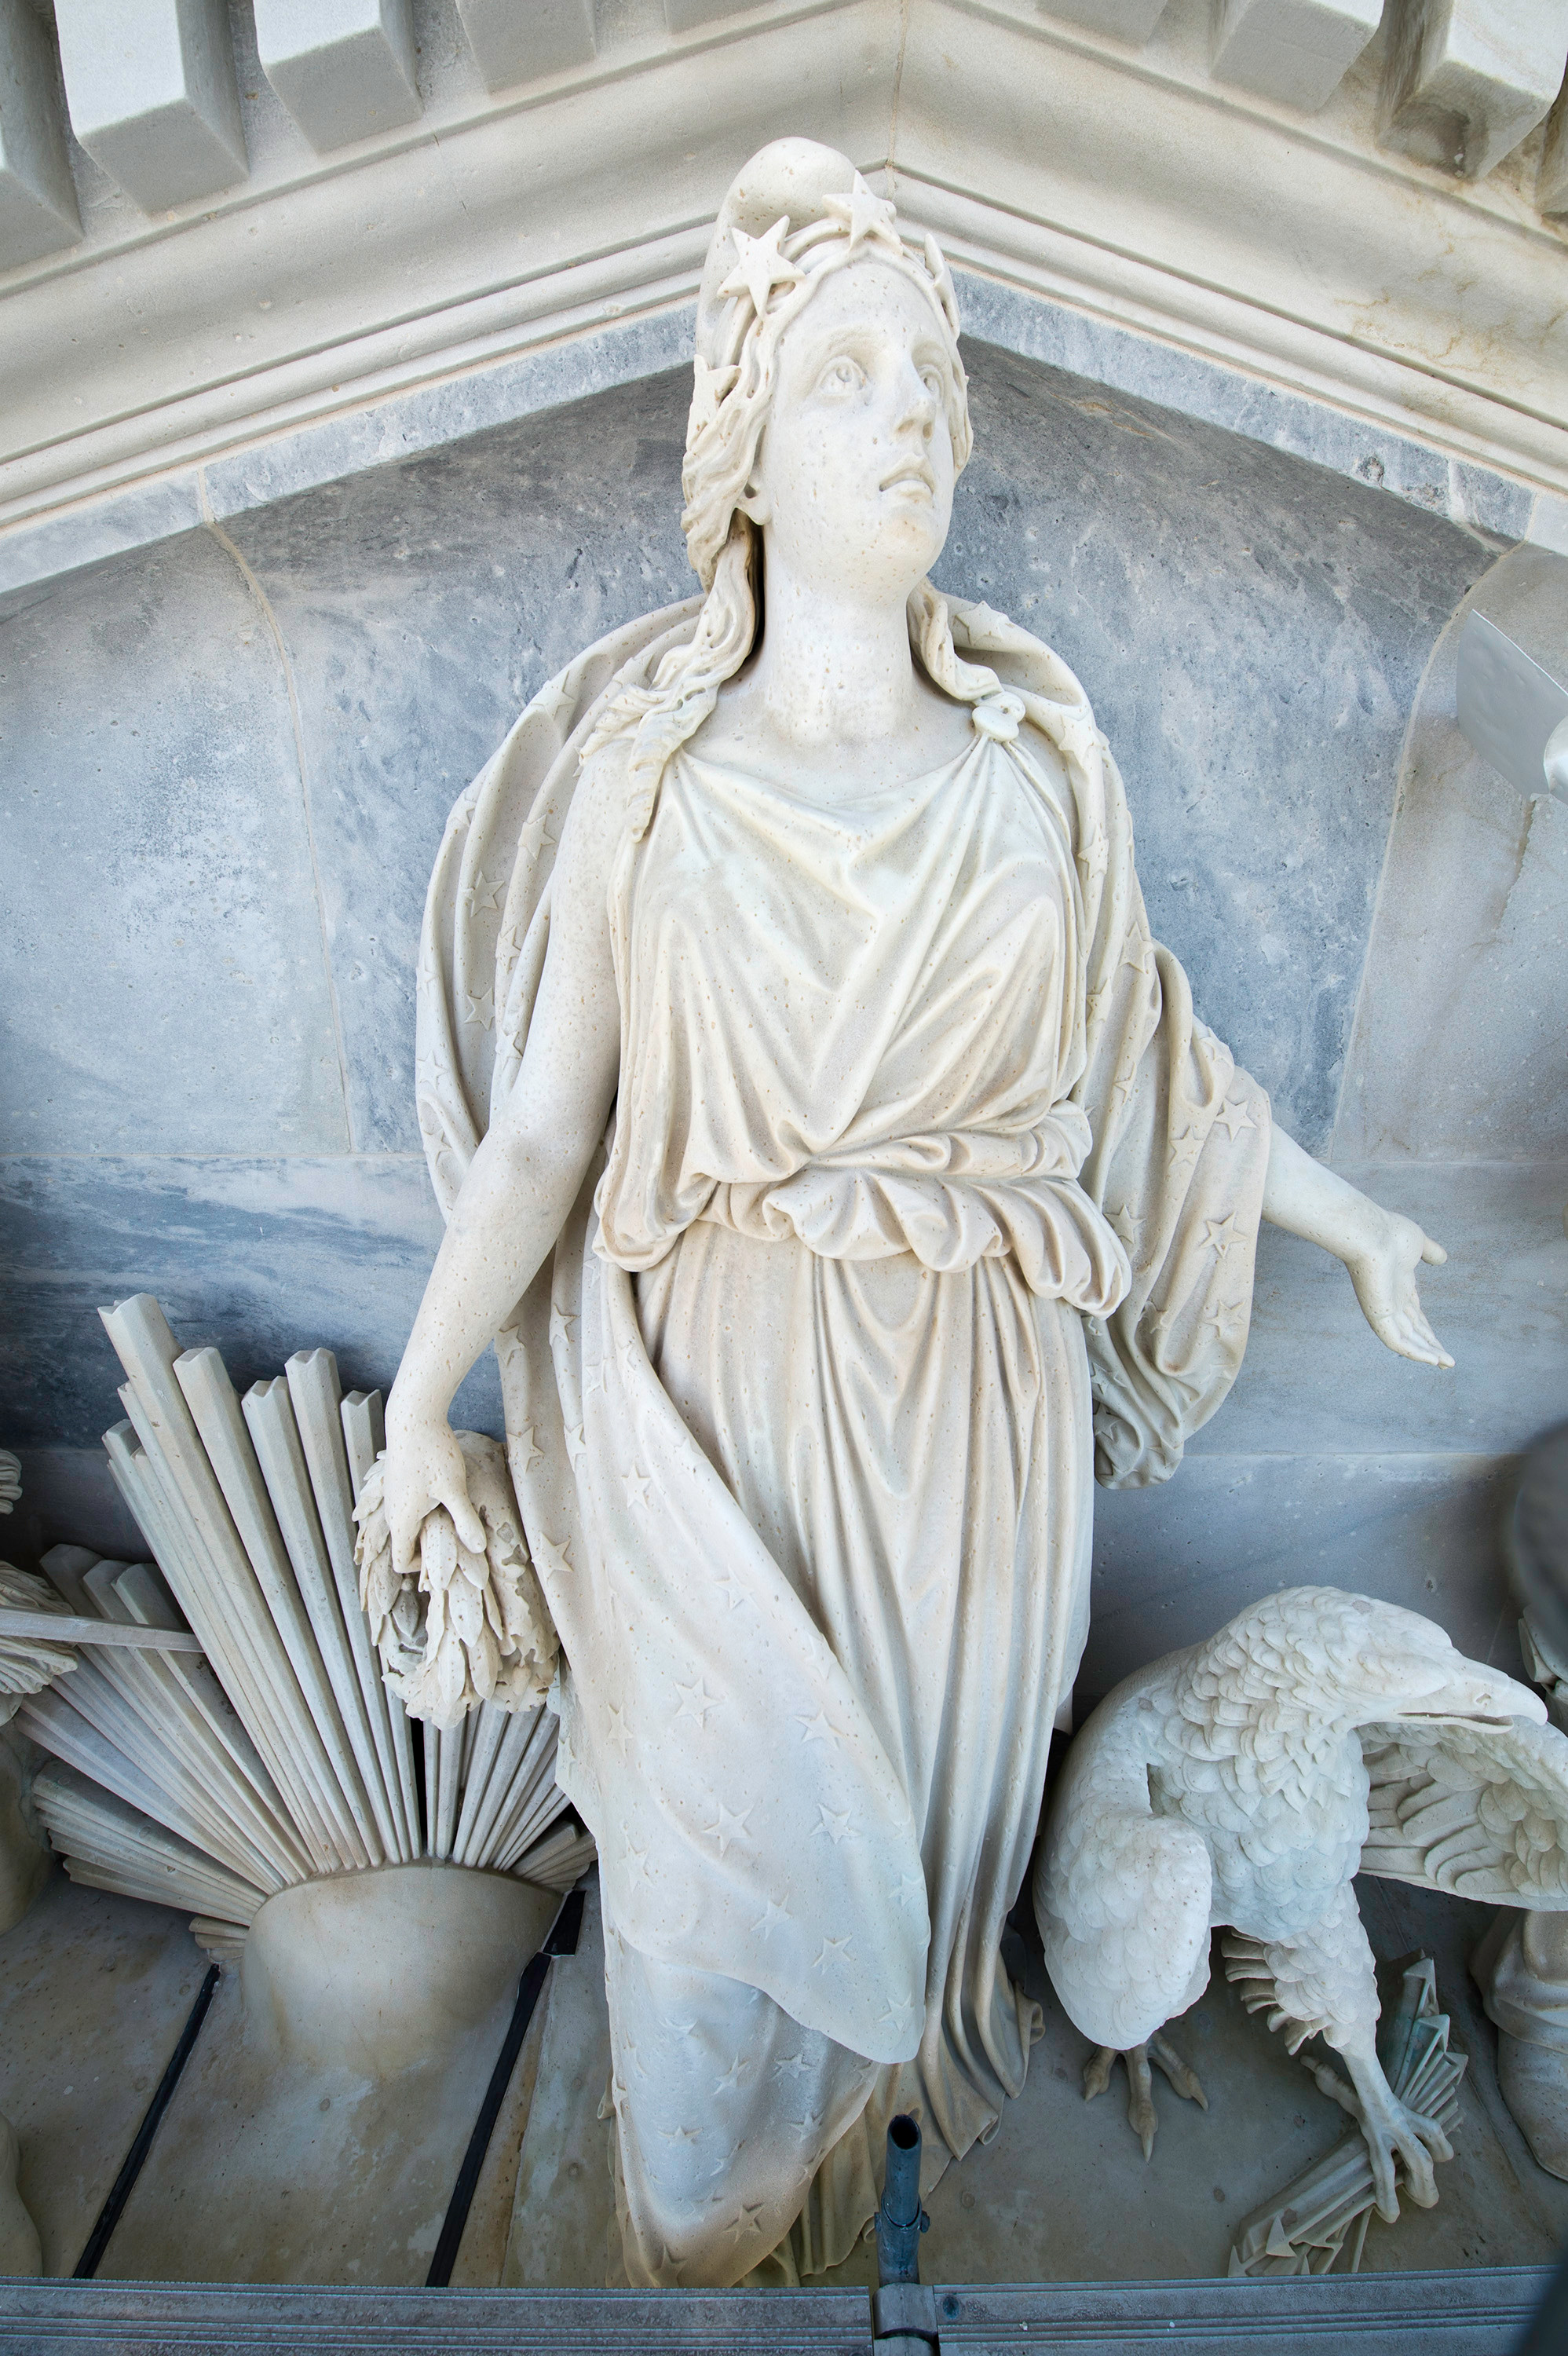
[730,406]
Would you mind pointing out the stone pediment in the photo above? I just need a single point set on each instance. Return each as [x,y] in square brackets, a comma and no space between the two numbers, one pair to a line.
[1308,203]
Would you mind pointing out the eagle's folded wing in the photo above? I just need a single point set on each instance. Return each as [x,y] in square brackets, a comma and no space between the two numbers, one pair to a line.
[1122,1899]
[1481,1811]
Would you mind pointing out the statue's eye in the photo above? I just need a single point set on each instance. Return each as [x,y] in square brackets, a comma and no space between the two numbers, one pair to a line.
[841,375]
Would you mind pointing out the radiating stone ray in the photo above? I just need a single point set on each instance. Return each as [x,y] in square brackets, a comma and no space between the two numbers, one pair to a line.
[211,1783]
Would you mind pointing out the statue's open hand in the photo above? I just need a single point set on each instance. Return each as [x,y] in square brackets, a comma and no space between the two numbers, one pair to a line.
[1382,1271]
[423,1469]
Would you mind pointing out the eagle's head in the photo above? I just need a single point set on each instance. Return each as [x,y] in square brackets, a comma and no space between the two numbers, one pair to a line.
[1350,1661]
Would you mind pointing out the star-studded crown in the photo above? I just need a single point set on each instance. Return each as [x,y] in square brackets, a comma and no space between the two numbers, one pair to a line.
[771,276]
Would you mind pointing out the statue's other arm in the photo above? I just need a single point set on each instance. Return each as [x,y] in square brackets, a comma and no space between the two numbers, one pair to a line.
[523,1179]
[1381,1249]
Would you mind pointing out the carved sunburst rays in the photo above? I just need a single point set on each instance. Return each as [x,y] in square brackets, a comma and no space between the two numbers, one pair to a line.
[774,277]
[209,1783]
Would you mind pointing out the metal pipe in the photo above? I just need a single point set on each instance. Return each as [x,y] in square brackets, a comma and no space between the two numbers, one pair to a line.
[901,2220]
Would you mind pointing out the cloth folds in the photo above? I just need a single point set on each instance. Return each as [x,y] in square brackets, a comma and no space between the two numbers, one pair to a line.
[924,1189]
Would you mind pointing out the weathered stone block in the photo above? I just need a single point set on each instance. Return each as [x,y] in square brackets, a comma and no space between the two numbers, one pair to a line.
[152,97]
[511,44]
[1297,51]
[345,69]
[1468,80]
[37,202]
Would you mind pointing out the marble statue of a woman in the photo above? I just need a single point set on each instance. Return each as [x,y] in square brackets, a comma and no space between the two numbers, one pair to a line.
[843,1175]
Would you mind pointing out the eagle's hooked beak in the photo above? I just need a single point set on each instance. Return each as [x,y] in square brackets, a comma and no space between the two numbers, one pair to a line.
[1473,1695]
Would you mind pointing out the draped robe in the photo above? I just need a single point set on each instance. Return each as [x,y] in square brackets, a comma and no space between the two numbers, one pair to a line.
[925,1196]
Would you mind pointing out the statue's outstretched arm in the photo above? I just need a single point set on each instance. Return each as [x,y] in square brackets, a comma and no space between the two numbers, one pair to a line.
[522,1181]
[1381,1249]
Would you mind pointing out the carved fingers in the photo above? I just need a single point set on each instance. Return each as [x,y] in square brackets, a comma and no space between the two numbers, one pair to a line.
[424,1469]
[1383,1273]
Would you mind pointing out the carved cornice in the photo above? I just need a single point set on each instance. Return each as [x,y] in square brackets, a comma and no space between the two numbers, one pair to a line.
[1124,183]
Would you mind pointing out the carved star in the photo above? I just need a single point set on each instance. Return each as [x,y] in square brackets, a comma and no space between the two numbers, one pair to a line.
[562,1321]
[576,1445]
[814,1729]
[558,695]
[637,1867]
[729,1586]
[1219,1313]
[792,2065]
[807,2125]
[732,2077]
[728,1827]
[481,894]
[1126,1226]
[1233,1118]
[1095,855]
[482,1006]
[750,2220]
[910,1887]
[631,1351]
[1187,1143]
[637,1485]
[772,1912]
[1140,964]
[621,1736]
[834,1822]
[829,1952]
[865,215]
[696,1702]
[592,1380]
[760,266]
[532,1452]
[681,2135]
[1222,1233]
[537,834]
[555,1554]
[896,2011]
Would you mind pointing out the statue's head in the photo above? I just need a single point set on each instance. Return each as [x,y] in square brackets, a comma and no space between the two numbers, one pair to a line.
[830,406]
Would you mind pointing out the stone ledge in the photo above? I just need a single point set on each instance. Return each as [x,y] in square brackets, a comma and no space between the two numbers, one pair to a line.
[1364,2314]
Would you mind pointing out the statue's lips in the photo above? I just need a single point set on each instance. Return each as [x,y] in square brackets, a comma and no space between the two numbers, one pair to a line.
[910,477]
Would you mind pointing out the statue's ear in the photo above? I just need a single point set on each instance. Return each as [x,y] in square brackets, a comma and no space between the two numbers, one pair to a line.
[754,504]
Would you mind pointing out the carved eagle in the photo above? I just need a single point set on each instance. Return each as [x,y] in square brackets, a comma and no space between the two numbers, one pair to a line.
[1243,1782]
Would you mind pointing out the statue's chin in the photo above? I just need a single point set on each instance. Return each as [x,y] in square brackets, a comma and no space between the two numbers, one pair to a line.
[880,553]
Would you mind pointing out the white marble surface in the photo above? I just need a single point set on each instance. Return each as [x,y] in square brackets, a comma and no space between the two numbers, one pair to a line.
[1230,1785]
[374,1973]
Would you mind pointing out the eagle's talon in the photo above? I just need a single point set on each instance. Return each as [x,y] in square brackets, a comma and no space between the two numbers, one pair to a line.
[1392,2129]
[1182,2076]
[1142,2116]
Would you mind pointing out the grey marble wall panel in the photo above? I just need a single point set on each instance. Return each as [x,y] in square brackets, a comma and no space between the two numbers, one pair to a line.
[68,1498]
[161,956]
[1241,403]
[1251,630]
[261,1257]
[1173,1564]
[1462,1042]
[422,607]
[1317,1379]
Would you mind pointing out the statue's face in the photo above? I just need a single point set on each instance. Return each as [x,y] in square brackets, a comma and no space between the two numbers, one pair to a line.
[853,479]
